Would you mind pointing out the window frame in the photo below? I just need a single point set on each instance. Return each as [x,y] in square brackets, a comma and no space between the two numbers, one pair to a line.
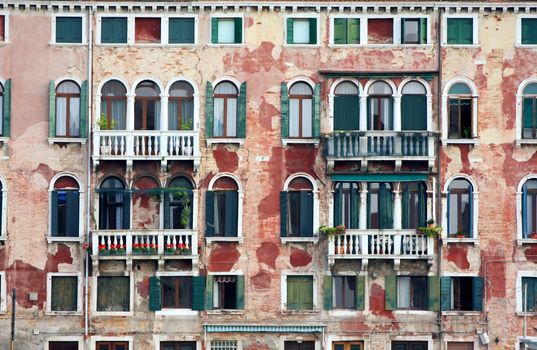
[3,292]
[412,339]
[84,40]
[475,30]
[475,211]
[347,342]
[110,99]
[226,16]
[217,311]
[78,339]
[518,288]
[519,111]
[519,19]
[3,208]
[94,311]
[81,216]
[332,95]
[336,309]
[158,339]
[145,101]
[6,27]
[240,202]
[413,308]
[474,137]
[175,311]
[167,30]
[283,292]
[519,207]
[225,98]
[129,339]
[302,16]
[238,343]
[67,137]
[301,116]
[195,99]
[79,294]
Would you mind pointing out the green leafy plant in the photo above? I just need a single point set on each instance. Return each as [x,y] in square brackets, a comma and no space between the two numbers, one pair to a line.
[430,231]
[186,126]
[331,231]
[105,124]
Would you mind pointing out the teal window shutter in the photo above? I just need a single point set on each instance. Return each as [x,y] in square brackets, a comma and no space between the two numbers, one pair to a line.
[214,31]
[209,214]
[386,207]
[327,292]
[477,293]
[530,296]
[54,213]
[414,112]
[445,293]
[452,30]
[529,31]
[360,292]
[69,30]
[51,109]
[241,123]
[166,209]
[354,207]
[290,30]
[209,293]
[423,31]
[6,112]
[114,30]
[433,294]
[238,30]
[283,214]
[198,293]
[467,32]
[284,111]
[154,294]
[390,288]
[231,199]
[338,215]
[126,210]
[525,230]
[240,291]
[73,208]
[353,31]
[313,30]
[306,214]
[317,111]
[293,293]
[340,31]
[346,112]
[181,31]
[83,108]
[209,109]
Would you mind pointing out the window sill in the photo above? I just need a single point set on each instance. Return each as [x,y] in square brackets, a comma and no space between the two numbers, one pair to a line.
[224,239]
[526,46]
[68,44]
[65,239]
[528,142]
[226,44]
[521,241]
[286,240]
[345,313]
[212,141]
[113,313]
[52,140]
[225,312]
[303,46]
[474,142]
[287,142]
[3,238]
[461,46]
[3,139]
[461,313]
[300,312]
[474,241]
[63,313]
[415,312]
[176,312]
[531,314]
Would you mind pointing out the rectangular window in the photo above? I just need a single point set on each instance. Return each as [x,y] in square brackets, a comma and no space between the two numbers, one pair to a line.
[529,289]
[114,30]
[176,292]
[112,345]
[2,28]
[299,292]
[461,293]
[528,33]
[301,31]
[380,31]
[64,293]
[113,293]
[344,292]
[147,30]
[225,213]
[300,214]
[459,212]
[414,31]
[181,31]
[412,293]
[409,345]
[65,213]
[346,31]
[460,31]
[63,345]
[225,292]
[69,30]
[460,118]
[223,345]
[226,30]
[347,205]
[346,345]
[178,345]
[303,345]
[460,346]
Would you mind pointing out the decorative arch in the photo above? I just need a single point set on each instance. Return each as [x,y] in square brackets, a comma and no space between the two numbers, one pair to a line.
[301,79]
[151,79]
[420,80]
[185,79]
[387,81]
[141,176]
[225,174]
[119,79]
[284,209]
[61,79]
[304,175]
[186,176]
[120,178]
[64,174]
[231,79]
[195,95]
[458,176]
[474,205]
[519,110]
[445,116]
[466,81]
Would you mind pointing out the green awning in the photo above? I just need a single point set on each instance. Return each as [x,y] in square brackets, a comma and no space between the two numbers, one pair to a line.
[427,75]
[379,177]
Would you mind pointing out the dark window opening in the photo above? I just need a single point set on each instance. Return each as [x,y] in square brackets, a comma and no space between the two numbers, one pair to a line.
[380,31]
[412,293]
[176,292]
[462,293]
[225,292]
[344,292]
[147,30]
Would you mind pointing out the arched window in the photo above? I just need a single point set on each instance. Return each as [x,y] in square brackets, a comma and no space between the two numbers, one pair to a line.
[529,208]
[347,204]
[222,208]
[414,205]
[181,106]
[67,109]
[296,202]
[460,208]
[300,111]
[225,110]
[65,208]
[529,112]
[114,205]
[379,206]
[346,106]
[178,204]
[460,111]
[380,106]
[114,104]
[147,106]
[414,107]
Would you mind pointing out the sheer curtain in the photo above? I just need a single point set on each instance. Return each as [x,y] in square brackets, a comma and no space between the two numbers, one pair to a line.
[306,118]
[74,116]
[231,127]
[403,292]
[61,116]
[294,116]
[173,123]
[218,127]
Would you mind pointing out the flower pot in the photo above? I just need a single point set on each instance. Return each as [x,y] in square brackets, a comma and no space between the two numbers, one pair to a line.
[431,225]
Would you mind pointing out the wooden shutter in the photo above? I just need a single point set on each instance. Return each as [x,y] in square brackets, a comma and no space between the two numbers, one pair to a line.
[353,31]
[290,29]
[181,31]
[327,292]
[414,112]
[209,293]
[209,214]
[452,30]
[306,214]
[232,216]
[51,109]
[166,200]
[423,31]
[340,31]
[306,292]
[390,292]
[529,31]
[209,109]
[72,216]
[445,293]
[283,213]
[284,110]
[525,230]
[238,30]
[6,112]
[240,291]
[477,293]
[346,112]
[527,114]
[114,30]
[405,208]
[313,30]
[126,210]
[338,215]
[154,294]
[293,293]
[83,108]
[317,111]
[422,205]
[241,122]
[64,293]
[354,207]
[360,292]
[467,31]
[385,207]
[433,293]
[54,213]
[214,30]
[198,293]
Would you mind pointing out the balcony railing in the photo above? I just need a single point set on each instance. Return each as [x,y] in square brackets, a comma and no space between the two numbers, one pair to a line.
[142,243]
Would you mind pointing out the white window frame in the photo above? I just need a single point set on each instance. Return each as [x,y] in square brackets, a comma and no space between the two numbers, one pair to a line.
[519,231]
[351,312]
[427,338]
[519,109]
[166,31]
[226,311]
[130,29]
[518,42]
[55,139]
[519,291]
[210,343]
[157,339]
[428,95]
[474,140]
[460,339]
[517,344]
[364,30]
[459,312]
[196,102]
[193,207]
[126,338]
[78,339]
[475,30]
[240,203]
[299,339]
[175,312]
[331,339]
[475,214]
[81,204]
[79,294]
[227,16]
[398,311]
[283,292]
[3,227]
[84,29]
[112,313]
[332,95]
[6,27]
[332,27]
[3,293]
[302,16]
[312,140]
[396,105]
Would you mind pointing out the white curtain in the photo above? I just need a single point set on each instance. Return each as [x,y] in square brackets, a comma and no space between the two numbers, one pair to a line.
[231,127]
[301,31]
[403,292]
[387,113]
[74,116]
[172,115]
[307,117]
[226,30]
[294,115]
[61,116]
[218,124]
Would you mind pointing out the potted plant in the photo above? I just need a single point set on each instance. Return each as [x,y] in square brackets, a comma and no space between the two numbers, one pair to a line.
[183,249]
[340,229]
[104,124]
[199,248]
[430,230]
[137,248]
[460,234]
[169,249]
[102,249]
[327,231]
[430,223]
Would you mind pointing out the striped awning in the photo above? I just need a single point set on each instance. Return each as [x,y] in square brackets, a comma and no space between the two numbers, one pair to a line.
[262,329]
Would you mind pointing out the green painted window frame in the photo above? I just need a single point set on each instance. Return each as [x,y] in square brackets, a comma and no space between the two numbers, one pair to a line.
[238,32]
[313,30]
[69,30]
[305,286]
[62,299]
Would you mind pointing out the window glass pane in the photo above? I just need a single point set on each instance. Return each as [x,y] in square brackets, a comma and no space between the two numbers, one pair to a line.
[226,30]
[225,292]
[531,89]
[168,292]
[346,88]
[307,118]
[226,88]
[411,30]
[403,292]
[414,88]
[147,89]
[231,127]
[300,89]
[419,293]
[301,31]
[294,117]
[113,294]
[113,88]
[344,292]
[386,113]
[68,87]
[218,123]
[74,115]
[181,89]
[380,88]
[460,89]
[61,116]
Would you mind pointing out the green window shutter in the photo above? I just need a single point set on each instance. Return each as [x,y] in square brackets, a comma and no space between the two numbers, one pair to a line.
[423,31]
[68,29]
[126,210]
[209,293]
[353,31]
[154,294]
[62,30]
[114,30]
[445,293]
[198,293]
[346,112]
[390,288]
[167,223]
[181,31]
[402,30]
[422,205]
[293,293]
[530,296]
[327,292]
[354,207]
[83,108]
[238,31]
[209,214]
[209,109]
[467,31]
[306,214]
[317,111]
[240,291]
[73,208]
[51,109]
[405,207]
[529,31]
[338,215]
[340,31]
[306,293]
[54,213]
[433,293]
[284,111]
[283,214]
[290,29]
[231,203]
[313,30]
[360,292]
[477,293]
[414,112]
[527,112]
[6,113]
[214,32]
[241,123]
[452,30]
[386,207]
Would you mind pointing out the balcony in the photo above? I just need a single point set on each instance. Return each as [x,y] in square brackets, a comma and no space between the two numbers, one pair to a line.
[380,244]
[394,146]
[144,245]
[133,145]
